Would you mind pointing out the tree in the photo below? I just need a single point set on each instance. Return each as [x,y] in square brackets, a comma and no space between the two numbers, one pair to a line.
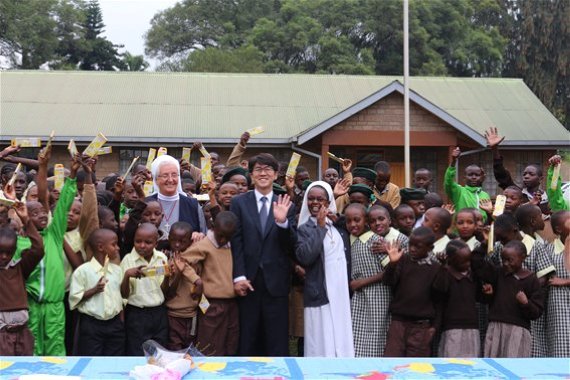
[540,52]
[131,62]
[27,32]
[99,53]
[448,37]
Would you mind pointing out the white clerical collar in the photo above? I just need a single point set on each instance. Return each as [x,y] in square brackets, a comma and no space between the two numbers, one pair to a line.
[167,198]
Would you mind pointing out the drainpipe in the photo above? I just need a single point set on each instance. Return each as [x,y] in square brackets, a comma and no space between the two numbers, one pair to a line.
[469,152]
[314,155]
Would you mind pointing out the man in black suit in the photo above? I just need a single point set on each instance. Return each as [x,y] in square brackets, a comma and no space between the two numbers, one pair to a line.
[261,246]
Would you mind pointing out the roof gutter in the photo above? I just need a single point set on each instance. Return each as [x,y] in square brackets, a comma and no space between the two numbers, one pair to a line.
[308,153]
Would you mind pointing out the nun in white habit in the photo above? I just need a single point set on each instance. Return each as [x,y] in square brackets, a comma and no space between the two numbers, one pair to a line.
[323,249]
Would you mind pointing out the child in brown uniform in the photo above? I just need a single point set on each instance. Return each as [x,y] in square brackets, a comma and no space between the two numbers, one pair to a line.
[460,336]
[182,318]
[218,326]
[15,336]
[516,300]
[413,303]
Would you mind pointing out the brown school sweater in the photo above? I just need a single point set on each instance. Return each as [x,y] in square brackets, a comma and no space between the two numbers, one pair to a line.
[504,307]
[459,294]
[214,264]
[12,279]
[411,282]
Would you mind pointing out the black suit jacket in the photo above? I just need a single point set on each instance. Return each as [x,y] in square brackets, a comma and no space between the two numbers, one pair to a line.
[271,250]
[189,210]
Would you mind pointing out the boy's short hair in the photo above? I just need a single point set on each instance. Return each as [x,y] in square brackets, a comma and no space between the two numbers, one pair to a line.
[104,197]
[182,226]
[102,211]
[515,188]
[7,169]
[474,166]
[424,233]
[301,169]
[454,246]
[506,222]
[470,210]
[524,213]
[97,236]
[263,159]
[358,206]
[226,220]
[432,200]
[110,182]
[424,170]
[518,246]
[148,227]
[402,207]
[443,217]
[9,233]
[382,167]
[558,218]
[188,180]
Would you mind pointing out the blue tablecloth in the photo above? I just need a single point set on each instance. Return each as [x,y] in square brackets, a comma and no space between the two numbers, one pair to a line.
[299,368]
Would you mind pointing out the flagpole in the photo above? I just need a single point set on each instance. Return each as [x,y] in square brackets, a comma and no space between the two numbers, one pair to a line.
[406,98]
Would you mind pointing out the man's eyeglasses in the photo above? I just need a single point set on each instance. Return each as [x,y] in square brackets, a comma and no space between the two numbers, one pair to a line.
[264,169]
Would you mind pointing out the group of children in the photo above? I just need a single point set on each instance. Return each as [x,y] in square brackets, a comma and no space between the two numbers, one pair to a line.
[90,272]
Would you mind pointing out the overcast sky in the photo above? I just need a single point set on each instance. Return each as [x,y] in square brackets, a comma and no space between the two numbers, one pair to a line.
[126,21]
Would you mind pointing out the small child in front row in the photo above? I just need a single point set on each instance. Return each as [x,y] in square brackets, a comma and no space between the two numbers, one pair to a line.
[95,291]
[413,306]
[218,325]
[460,334]
[370,300]
[182,307]
[145,313]
[15,337]
[404,219]
[517,298]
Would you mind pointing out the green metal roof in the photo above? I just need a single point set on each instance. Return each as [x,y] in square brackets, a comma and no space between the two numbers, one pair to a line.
[183,107]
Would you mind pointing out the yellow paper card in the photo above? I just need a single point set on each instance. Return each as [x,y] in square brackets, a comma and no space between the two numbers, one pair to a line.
[148,188]
[18,169]
[204,151]
[206,168]
[93,148]
[256,130]
[491,240]
[500,203]
[186,154]
[72,148]
[59,174]
[150,158]
[295,159]
[555,176]
[52,134]
[105,150]
[6,202]
[161,151]
[131,166]
[31,142]
[159,270]
[335,158]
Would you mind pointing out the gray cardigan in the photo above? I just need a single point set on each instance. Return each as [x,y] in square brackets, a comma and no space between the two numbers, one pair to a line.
[309,252]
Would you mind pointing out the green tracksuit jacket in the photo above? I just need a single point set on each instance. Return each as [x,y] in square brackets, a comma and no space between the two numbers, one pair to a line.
[463,196]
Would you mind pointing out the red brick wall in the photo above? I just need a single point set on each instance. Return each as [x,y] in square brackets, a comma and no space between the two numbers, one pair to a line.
[388,115]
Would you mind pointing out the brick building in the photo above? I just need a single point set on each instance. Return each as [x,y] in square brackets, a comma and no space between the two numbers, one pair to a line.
[357,117]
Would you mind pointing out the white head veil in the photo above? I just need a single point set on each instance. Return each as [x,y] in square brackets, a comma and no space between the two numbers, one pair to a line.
[156,164]
[305,213]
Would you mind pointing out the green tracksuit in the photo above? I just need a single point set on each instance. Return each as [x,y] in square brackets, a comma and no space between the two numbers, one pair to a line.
[463,196]
[555,197]
[46,284]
